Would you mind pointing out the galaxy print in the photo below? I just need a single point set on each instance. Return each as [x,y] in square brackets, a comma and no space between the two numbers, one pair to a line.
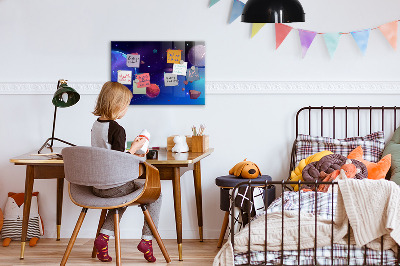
[153,60]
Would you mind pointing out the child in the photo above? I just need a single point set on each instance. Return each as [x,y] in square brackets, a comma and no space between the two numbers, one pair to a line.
[112,103]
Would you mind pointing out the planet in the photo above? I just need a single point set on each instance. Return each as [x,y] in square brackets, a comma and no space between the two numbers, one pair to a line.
[152,91]
[197,55]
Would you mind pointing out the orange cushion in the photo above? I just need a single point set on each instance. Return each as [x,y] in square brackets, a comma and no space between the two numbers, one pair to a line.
[375,170]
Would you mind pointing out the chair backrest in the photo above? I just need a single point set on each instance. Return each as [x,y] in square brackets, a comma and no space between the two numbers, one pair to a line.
[92,166]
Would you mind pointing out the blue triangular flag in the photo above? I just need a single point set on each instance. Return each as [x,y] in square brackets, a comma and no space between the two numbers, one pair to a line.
[213,2]
[332,41]
[361,37]
[237,9]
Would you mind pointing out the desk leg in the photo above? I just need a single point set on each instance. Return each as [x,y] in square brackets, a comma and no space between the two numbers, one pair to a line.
[199,204]
[27,206]
[176,182]
[60,190]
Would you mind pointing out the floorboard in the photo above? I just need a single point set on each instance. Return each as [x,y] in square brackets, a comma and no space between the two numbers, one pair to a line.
[49,252]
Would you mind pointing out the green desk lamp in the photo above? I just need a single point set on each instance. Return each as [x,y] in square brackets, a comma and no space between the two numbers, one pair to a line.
[65,96]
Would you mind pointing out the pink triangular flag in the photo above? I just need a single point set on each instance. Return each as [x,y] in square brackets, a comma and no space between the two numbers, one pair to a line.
[306,39]
[389,30]
[281,31]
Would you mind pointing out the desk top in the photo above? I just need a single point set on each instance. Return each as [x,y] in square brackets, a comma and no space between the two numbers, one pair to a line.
[164,157]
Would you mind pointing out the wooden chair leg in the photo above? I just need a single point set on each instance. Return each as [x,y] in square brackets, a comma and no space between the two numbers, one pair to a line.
[223,229]
[101,222]
[154,230]
[117,238]
[73,237]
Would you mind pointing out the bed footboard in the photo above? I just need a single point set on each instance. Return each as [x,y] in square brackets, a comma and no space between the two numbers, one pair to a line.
[310,254]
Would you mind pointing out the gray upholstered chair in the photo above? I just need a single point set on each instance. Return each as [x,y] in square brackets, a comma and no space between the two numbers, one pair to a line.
[85,167]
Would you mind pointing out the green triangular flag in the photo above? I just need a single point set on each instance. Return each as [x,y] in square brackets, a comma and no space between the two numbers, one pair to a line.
[332,41]
[256,27]
[213,2]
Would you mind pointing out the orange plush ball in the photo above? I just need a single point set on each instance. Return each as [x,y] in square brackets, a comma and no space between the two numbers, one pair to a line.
[375,170]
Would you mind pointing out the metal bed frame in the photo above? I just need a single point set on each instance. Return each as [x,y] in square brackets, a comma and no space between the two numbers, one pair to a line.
[283,184]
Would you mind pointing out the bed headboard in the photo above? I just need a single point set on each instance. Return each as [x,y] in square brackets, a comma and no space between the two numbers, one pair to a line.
[344,121]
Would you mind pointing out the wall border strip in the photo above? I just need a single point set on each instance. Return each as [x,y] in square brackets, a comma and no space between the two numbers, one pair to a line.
[231,87]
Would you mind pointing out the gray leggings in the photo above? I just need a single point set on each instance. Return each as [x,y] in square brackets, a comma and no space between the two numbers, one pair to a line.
[154,208]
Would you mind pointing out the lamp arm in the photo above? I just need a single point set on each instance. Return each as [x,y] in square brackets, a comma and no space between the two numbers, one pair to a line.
[54,118]
[54,126]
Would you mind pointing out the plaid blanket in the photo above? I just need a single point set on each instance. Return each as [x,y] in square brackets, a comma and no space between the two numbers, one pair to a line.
[324,257]
[323,205]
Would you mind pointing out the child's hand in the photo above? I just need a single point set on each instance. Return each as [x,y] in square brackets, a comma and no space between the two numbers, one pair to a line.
[143,155]
[137,144]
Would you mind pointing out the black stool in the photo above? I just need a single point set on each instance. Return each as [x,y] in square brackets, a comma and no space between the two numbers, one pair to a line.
[226,183]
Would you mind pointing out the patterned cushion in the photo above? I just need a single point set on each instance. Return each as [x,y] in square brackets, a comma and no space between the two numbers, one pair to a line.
[372,144]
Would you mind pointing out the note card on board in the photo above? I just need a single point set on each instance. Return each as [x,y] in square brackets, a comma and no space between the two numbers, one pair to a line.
[174,56]
[136,90]
[144,80]
[170,80]
[192,74]
[125,77]
[180,69]
[133,60]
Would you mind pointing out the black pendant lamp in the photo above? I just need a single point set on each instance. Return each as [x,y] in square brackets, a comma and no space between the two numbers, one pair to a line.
[273,11]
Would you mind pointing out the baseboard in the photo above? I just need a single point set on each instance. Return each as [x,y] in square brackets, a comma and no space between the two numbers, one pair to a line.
[231,87]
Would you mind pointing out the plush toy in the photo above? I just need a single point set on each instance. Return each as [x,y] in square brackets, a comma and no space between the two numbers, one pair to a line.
[245,169]
[13,215]
[180,144]
[375,170]
[296,174]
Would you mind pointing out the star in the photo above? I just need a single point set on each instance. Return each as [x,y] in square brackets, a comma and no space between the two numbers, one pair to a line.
[154,51]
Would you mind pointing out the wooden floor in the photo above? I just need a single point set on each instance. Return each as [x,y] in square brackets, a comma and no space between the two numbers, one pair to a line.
[50,252]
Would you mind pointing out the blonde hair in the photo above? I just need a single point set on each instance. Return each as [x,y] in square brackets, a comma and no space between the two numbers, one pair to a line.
[112,99]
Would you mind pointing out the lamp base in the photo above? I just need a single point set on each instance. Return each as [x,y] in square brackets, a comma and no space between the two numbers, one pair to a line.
[50,146]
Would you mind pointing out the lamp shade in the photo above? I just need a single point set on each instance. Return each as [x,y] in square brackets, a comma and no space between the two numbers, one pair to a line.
[273,11]
[65,96]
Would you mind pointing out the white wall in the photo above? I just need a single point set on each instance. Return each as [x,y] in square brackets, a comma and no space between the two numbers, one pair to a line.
[42,41]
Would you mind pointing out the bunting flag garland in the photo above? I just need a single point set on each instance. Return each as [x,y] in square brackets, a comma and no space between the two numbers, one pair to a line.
[213,2]
[332,41]
[256,27]
[361,37]
[389,30]
[306,39]
[237,9]
[281,31]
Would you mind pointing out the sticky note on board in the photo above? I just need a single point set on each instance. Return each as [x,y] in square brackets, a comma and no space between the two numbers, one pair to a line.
[170,80]
[144,80]
[133,60]
[180,69]
[174,56]
[192,74]
[136,90]
[124,76]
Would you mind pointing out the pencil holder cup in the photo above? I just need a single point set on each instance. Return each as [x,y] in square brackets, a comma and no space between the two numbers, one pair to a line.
[200,143]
